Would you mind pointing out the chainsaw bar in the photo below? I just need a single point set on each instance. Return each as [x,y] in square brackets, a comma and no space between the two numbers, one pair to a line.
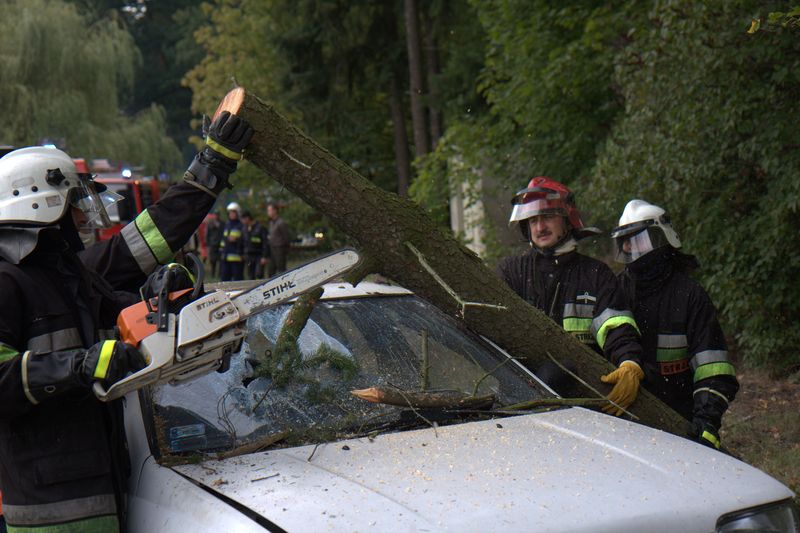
[211,328]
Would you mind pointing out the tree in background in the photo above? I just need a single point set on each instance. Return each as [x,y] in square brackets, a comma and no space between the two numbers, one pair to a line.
[667,100]
[64,76]
[164,33]
[710,132]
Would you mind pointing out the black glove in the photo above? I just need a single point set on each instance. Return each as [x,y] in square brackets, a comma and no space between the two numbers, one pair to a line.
[51,374]
[110,361]
[227,138]
[705,433]
[709,406]
[174,276]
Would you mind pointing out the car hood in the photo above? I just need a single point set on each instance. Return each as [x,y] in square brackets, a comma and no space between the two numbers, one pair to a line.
[566,470]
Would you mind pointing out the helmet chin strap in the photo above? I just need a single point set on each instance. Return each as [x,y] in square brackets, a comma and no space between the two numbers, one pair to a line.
[563,246]
[70,233]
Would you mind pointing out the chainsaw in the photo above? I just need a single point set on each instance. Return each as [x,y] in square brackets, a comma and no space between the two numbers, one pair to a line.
[199,335]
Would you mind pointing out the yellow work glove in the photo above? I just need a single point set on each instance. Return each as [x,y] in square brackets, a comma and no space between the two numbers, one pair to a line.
[626,380]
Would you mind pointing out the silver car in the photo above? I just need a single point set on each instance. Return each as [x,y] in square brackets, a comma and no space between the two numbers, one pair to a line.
[280,443]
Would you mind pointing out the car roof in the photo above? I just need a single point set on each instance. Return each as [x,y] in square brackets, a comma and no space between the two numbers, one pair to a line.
[365,288]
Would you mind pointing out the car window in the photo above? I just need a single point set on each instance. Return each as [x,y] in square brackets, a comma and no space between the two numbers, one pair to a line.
[304,396]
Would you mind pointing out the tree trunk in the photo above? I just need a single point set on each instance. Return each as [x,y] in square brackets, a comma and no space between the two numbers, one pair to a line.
[400,138]
[404,244]
[432,67]
[421,141]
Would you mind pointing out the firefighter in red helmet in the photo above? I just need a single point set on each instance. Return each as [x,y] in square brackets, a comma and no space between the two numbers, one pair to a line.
[579,293]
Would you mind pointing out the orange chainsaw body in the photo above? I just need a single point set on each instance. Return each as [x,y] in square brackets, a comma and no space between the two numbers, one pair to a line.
[132,321]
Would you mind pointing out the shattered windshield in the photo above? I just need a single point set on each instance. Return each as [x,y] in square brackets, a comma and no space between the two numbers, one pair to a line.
[353,359]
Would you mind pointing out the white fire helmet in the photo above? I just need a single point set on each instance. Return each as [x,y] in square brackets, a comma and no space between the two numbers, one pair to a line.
[38,184]
[233,206]
[643,227]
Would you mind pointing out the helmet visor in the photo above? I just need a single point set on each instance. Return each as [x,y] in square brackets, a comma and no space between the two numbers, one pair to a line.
[630,247]
[93,203]
[538,206]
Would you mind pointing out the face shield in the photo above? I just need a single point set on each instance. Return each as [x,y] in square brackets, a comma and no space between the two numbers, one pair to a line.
[641,238]
[92,199]
[529,203]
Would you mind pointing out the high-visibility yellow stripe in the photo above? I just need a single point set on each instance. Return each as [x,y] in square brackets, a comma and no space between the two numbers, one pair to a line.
[230,154]
[714,369]
[611,323]
[710,437]
[152,236]
[233,258]
[101,370]
[178,266]
[7,352]
[577,324]
[671,354]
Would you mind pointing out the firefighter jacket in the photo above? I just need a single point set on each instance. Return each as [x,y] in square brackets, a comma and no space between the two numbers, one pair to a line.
[63,459]
[213,237]
[684,350]
[579,293]
[256,241]
[232,245]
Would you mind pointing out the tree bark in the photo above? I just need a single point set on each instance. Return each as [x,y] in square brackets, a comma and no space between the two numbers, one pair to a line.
[405,245]
[421,141]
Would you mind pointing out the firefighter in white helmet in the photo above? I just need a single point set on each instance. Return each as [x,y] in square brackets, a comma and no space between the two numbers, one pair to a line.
[579,293]
[63,459]
[231,248]
[685,357]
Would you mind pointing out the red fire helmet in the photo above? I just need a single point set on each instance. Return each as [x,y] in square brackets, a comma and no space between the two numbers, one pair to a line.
[545,196]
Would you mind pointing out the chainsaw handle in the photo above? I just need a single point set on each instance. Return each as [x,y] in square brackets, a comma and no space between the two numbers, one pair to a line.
[200,275]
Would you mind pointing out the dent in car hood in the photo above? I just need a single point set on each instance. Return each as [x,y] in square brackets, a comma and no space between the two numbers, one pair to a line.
[565,470]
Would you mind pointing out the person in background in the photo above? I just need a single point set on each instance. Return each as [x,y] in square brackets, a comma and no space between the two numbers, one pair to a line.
[256,246]
[579,293]
[232,246]
[685,356]
[279,241]
[213,238]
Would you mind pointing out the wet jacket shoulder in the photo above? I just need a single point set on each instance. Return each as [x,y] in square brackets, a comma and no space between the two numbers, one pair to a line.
[580,293]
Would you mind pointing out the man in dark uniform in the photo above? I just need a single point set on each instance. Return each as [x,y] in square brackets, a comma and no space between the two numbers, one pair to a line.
[685,356]
[279,241]
[256,246]
[231,248]
[63,459]
[213,238]
[577,292]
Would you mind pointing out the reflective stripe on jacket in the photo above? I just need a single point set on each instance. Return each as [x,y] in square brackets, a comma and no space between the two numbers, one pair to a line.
[232,243]
[683,345]
[581,294]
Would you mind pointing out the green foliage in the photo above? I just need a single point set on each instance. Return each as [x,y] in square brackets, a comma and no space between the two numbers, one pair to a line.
[669,100]
[788,20]
[163,30]
[710,133]
[325,65]
[64,77]
[285,365]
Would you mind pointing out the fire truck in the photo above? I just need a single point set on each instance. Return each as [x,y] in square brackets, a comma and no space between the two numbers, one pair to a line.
[138,192]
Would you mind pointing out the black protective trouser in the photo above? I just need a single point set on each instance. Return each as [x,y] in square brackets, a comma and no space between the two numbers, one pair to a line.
[277,260]
[231,271]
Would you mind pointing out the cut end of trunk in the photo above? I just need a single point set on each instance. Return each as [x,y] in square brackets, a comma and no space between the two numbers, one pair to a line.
[371,394]
[232,102]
